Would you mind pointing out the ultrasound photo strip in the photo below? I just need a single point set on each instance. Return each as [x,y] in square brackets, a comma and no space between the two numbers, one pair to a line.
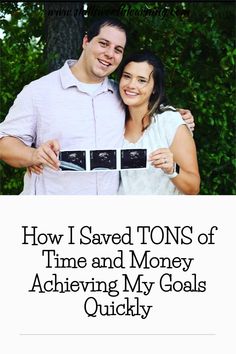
[72,160]
[103,160]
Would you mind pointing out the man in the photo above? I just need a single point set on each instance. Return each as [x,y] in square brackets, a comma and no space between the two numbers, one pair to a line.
[74,108]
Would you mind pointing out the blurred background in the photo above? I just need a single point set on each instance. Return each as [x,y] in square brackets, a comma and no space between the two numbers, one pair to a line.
[196,42]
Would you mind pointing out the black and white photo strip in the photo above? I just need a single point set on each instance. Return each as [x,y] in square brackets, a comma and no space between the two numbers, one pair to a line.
[103,160]
[72,160]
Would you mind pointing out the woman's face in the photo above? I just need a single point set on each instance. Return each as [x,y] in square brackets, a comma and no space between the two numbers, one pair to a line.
[136,84]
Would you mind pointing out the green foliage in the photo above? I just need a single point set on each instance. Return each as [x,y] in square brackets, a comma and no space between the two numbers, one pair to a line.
[196,43]
[21,61]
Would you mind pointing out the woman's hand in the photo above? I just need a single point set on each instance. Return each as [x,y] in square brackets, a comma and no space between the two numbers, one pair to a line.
[162,158]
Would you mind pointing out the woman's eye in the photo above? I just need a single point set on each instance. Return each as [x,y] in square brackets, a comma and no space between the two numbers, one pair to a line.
[125,76]
[103,44]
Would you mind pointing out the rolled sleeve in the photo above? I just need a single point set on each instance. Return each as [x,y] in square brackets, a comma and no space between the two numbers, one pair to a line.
[21,119]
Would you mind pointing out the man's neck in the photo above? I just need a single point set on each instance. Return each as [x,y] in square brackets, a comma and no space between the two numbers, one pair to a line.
[80,72]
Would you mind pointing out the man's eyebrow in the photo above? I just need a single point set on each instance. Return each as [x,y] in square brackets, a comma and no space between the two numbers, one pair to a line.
[107,41]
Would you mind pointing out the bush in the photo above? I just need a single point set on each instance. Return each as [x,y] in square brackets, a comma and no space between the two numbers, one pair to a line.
[196,43]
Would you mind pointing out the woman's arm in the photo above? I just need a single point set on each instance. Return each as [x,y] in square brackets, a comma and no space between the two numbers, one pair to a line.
[183,152]
[185,155]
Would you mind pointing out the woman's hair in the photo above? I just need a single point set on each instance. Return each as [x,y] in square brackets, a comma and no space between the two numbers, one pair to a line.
[157,99]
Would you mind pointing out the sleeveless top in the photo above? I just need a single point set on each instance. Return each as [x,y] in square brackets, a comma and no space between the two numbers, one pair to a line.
[159,134]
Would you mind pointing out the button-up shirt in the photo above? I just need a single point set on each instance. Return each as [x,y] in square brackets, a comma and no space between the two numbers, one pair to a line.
[56,106]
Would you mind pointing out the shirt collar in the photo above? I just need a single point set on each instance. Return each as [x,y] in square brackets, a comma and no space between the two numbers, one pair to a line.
[69,80]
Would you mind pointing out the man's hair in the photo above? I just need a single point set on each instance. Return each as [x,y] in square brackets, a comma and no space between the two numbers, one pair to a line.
[96,26]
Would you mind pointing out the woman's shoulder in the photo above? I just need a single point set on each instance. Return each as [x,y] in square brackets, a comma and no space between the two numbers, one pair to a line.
[168,122]
[169,115]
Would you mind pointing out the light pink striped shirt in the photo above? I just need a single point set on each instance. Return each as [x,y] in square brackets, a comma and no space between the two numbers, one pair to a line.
[57,107]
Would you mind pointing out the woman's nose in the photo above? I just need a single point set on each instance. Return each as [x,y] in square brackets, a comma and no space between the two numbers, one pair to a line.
[131,83]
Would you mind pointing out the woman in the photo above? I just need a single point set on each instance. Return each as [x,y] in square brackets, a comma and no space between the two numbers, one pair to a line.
[152,125]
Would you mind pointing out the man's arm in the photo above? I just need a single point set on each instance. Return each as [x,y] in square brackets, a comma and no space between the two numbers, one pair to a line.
[18,133]
[14,152]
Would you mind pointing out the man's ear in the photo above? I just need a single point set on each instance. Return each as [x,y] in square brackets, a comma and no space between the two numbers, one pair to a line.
[85,41]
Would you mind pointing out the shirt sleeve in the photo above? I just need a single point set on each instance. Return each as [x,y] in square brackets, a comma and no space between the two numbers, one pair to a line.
[21,119]
[171,121]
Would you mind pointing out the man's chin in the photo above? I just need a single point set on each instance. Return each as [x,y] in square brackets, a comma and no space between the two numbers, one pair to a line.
[104,72]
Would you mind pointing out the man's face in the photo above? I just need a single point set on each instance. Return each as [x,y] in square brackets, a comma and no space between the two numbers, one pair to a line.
[103,53]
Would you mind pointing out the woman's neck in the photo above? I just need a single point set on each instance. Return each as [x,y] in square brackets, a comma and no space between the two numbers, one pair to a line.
[135,123]
[136,114]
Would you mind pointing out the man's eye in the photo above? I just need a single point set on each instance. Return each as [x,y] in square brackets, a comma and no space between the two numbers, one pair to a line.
[126,76]
[103,44]
[119,51]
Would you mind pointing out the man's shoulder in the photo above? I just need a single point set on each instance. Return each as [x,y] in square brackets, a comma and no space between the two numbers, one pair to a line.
[45,80]
[113,85]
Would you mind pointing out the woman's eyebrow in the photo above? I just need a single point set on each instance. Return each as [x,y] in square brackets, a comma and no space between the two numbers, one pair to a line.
[139,76]
[143,77]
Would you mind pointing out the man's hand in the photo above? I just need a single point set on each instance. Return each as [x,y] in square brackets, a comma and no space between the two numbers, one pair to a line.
[187,117]
[45,155]
[38,169]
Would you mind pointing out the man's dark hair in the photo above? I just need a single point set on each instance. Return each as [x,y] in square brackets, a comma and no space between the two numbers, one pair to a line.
[96,26]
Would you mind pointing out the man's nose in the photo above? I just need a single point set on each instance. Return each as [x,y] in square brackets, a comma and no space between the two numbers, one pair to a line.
[109,52]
